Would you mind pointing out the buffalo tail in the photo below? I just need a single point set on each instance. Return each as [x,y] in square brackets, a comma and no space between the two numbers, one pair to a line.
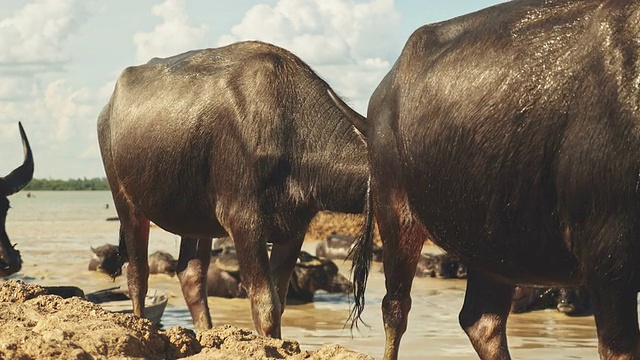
[362,253]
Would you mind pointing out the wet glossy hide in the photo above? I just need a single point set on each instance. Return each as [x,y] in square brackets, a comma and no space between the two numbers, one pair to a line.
[232,141]
[509,137]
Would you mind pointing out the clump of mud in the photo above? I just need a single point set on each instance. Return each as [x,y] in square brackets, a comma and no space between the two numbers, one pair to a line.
[35,325]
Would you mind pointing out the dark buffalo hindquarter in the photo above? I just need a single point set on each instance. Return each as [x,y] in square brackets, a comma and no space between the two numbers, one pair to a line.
[176,214]
[512,230]
[508,260]
[511,137]
[164,170]
[227,141]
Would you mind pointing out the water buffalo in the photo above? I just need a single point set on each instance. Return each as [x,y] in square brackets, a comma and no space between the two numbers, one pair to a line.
[241,141]
[225,242]
[106,258]
[161,262]
[309,275]
[338,247]
[569,301]
[10,260]
[511,138]
[440,265]
[223,275]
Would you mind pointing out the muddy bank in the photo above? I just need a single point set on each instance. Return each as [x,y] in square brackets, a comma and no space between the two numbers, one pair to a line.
[35,325]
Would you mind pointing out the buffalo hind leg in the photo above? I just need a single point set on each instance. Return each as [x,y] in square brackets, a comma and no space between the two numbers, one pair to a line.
[134,232]
[616,314]
[282,262]
[484,315]
[253,259]
[193,263]
[610,259]
[403,239]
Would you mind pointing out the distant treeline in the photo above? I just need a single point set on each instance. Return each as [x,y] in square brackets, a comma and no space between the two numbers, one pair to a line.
[71,184]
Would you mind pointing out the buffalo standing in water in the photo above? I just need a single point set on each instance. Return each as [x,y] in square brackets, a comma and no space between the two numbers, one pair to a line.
[309,275]
[10,260]
[443,266]
[511,137]
[243,141]
[569,301]
[107,259]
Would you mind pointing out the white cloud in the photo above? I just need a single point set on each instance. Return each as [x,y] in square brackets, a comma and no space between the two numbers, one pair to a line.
[32,43]
[174,35]
[61,125]
[59,117]
[350,44]
[17,88]
[68,108]
[35,34]
[9,130]
[104,92]
[56,73]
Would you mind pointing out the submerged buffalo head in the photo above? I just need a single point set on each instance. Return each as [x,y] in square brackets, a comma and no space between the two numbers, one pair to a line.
[161,262]
[106,258]
[571,301]
[312,273]
[441,265]
[526,299]
[574,301]
[10,260]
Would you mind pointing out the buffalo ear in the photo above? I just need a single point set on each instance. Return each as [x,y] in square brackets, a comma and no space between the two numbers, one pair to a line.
[95,251]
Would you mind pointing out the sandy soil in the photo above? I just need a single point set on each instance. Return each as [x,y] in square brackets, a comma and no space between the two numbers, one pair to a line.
[324,223]
[35,325]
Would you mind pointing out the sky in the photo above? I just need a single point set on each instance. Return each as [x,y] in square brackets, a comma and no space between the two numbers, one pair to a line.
[59,59]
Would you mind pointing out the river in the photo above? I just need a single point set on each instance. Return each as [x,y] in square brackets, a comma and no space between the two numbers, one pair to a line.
[54,231]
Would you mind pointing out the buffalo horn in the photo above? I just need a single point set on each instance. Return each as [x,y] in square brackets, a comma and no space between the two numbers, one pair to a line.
[21,176]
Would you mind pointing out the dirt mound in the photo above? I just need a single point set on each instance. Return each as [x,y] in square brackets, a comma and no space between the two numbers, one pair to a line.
[327,222]
[35,325]
[228,342]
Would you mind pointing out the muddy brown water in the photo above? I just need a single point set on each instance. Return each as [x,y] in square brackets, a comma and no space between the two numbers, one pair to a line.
[55,230]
